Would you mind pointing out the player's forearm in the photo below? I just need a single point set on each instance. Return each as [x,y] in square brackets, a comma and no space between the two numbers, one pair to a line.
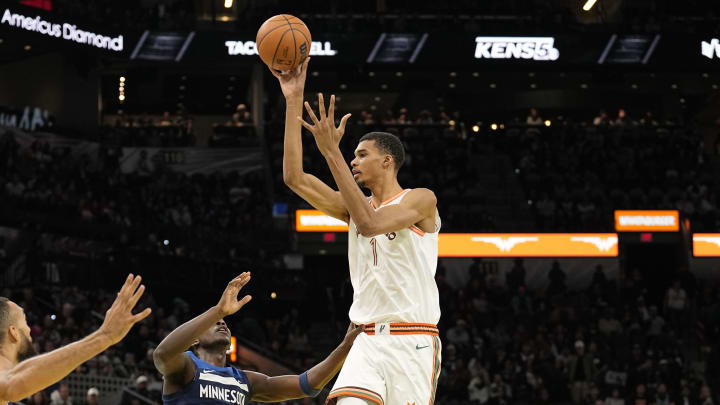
[323,372]
[179,340]
[355,200]
[292,150]
[38,373]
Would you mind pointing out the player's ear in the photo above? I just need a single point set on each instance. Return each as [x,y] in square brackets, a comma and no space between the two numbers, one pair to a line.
[13,333]
[387,161]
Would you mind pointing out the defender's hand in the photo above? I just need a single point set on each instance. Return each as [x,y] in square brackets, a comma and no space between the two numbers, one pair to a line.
[119,319]
[352,332]
[229,303]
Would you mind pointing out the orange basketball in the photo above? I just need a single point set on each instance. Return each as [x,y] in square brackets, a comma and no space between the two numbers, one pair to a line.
[283,42]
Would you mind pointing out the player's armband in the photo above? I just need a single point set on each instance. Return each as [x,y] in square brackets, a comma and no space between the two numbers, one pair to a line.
[305,386]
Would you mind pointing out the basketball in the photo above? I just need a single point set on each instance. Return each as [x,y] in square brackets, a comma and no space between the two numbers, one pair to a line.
[283,42]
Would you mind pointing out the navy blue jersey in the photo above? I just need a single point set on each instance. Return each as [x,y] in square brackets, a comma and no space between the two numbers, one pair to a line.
[212,386]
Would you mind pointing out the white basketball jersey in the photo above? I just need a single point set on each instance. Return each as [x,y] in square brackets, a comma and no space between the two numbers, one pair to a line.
[393,275]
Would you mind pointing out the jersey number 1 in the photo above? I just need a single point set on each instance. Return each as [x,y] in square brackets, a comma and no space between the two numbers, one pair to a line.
[373,243]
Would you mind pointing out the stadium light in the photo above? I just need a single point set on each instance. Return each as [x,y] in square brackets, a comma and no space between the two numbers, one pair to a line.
[228,3]
[589,4]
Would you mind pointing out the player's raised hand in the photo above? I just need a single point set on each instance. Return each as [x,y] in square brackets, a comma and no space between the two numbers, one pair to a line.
[352,332]
[327,135]
[229,303]
[292,82]
[119,318]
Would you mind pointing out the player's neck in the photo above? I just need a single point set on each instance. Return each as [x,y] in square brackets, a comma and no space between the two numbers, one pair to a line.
[385,190]
[8,359]
[216,358]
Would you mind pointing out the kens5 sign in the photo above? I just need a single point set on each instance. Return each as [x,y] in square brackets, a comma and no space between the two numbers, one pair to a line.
[710,49]
[535,48]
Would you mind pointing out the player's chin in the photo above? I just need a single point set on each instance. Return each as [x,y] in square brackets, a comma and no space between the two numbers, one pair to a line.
[223,340]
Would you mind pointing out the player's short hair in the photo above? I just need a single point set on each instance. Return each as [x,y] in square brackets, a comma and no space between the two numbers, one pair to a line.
[388,143]
[5,317]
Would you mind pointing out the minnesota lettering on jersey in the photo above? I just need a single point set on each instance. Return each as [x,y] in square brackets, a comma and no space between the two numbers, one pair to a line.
[222,394]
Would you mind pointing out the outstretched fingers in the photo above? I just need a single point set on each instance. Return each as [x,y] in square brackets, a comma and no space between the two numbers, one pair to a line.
[141,315]
[321,106]
[343,122]
[241,280]
[311,113]
[126,285]
[306,125]
[331,110]
[245,300]
[136,297]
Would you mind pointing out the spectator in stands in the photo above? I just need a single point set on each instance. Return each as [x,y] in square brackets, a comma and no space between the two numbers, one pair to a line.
[688,282]
[601,119]
[140,388]
[557,280]
[622,119]
[684,397]
[521,303]
[366,118]
[608,325]
[425,117]
[458,334]
[615,398]
[144,166]
[93,396]
[599,279]
[581,372]
[515,278]
[706,397]
[546,209]
[648,120]
[478,389]
[661,395]
[639,397]
[657,323]
[476,270]
[534,118]
[500,392]
[243,114]
[675,302]
[166,120]
[61,396]
[38,398]
[240,117]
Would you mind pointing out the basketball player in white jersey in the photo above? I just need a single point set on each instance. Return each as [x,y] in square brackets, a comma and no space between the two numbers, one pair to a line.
[392,253]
